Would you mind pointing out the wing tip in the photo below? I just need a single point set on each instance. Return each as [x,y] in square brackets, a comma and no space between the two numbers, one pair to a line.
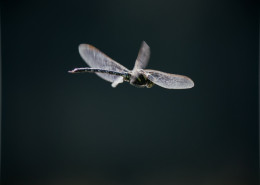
[82,46]
[86,46]
[190,83]
[144,44]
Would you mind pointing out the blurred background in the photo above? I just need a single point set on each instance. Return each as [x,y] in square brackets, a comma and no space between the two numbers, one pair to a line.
[61,128]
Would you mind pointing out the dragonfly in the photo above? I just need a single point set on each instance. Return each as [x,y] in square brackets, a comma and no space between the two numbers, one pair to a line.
[115,73]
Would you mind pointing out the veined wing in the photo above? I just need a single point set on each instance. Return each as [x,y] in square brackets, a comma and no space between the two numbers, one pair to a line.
[169,81]
[143,57]
[96,59]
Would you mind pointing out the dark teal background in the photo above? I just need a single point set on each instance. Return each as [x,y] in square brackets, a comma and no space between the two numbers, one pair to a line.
[59,128]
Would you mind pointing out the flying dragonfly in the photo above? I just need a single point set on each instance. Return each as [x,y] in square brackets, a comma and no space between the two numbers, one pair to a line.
[111,71]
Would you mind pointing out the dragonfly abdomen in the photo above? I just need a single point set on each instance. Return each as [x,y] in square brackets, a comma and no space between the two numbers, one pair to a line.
[96,70]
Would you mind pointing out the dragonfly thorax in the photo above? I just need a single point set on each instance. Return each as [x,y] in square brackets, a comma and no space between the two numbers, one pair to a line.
[140,80]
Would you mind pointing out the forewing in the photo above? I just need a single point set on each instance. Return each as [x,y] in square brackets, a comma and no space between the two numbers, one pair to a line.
[96,59]
[169,81]
[143,56]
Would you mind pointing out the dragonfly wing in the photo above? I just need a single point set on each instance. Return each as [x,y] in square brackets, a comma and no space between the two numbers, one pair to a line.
[96,59]
[169,81]
[143,57]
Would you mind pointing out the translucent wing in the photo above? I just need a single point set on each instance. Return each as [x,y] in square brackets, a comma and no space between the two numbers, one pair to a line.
[169,81]
[96,59]
[143,57]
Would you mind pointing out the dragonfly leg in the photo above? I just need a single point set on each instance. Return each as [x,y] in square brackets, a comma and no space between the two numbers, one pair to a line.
[119,80]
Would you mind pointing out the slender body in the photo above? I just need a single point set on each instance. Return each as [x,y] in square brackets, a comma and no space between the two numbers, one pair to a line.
[139,81]
[115,73]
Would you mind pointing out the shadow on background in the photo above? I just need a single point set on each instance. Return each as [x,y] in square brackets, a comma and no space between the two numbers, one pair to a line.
[59,128]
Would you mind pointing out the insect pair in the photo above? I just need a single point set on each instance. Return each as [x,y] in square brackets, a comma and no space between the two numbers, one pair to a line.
[115,73]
